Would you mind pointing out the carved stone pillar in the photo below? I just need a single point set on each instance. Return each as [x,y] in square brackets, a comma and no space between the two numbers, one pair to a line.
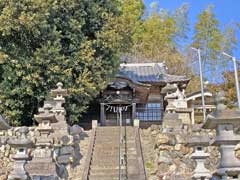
[102,114]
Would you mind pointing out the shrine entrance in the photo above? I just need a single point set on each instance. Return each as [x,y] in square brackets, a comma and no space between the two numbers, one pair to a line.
[118,97]
[112,117]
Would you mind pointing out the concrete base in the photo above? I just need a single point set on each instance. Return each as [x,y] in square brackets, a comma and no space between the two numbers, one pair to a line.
[136,123]
[18,171]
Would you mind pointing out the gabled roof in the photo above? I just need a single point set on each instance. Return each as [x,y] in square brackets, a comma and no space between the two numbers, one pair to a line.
[148,73]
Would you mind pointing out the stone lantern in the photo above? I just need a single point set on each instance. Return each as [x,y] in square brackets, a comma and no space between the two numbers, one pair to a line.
[45,120]
[225,122]
[199,143]
[61,127]
[21,145]
[42,164]
[59,99]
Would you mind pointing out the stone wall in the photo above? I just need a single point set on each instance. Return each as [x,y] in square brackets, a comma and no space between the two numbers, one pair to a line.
[167,155]
[49,150]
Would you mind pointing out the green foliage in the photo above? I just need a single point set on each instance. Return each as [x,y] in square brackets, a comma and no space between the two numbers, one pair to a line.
[230,41]
[208,36]
[129,22]
[43,42]
[149,165]
[212,42]
[156,38]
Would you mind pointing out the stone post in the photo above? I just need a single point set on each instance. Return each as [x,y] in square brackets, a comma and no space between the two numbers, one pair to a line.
[136,123]
[94,124]
[133,111]
[193,116]
[21,145]
[102,114]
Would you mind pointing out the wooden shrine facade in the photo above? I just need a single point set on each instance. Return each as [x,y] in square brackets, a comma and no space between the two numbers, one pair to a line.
[137,90]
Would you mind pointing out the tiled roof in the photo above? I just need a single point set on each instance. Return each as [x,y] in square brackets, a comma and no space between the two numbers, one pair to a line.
[148,73]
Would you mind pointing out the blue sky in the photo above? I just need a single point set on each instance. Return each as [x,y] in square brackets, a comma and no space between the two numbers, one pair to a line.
[225,11]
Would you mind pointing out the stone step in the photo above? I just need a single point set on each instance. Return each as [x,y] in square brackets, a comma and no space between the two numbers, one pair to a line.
[105,164]
[114,141]
[114,131]
[104,133]
[108,135]
[105,161]
[108,127]
[132,162]
[105,155]
[132,152]
[107,146]
[101,152]
[102,177]
[136,177]
[105,150]
[103,167]
[103,171]
[97,171]
[103,144]
[107,138]
[131,157]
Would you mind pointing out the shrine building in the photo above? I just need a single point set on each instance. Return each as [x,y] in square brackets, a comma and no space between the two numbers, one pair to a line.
[138,89]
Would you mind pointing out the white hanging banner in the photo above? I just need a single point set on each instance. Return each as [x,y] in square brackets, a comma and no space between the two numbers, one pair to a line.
[117,108]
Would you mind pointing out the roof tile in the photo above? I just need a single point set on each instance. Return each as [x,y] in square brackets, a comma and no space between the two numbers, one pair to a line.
[148,73]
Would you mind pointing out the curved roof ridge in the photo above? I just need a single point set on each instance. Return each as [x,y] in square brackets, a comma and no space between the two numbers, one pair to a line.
[148,73]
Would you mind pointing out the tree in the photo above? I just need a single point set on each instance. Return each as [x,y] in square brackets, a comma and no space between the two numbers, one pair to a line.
[43,42]
[129,21]
[212,42]
[154,40]
[181,18]
[208,37]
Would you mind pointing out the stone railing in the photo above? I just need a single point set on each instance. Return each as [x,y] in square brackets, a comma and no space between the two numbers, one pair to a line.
[89,155]
[140,154]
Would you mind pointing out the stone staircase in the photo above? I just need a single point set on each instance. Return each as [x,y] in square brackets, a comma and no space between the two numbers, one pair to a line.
[104,163]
